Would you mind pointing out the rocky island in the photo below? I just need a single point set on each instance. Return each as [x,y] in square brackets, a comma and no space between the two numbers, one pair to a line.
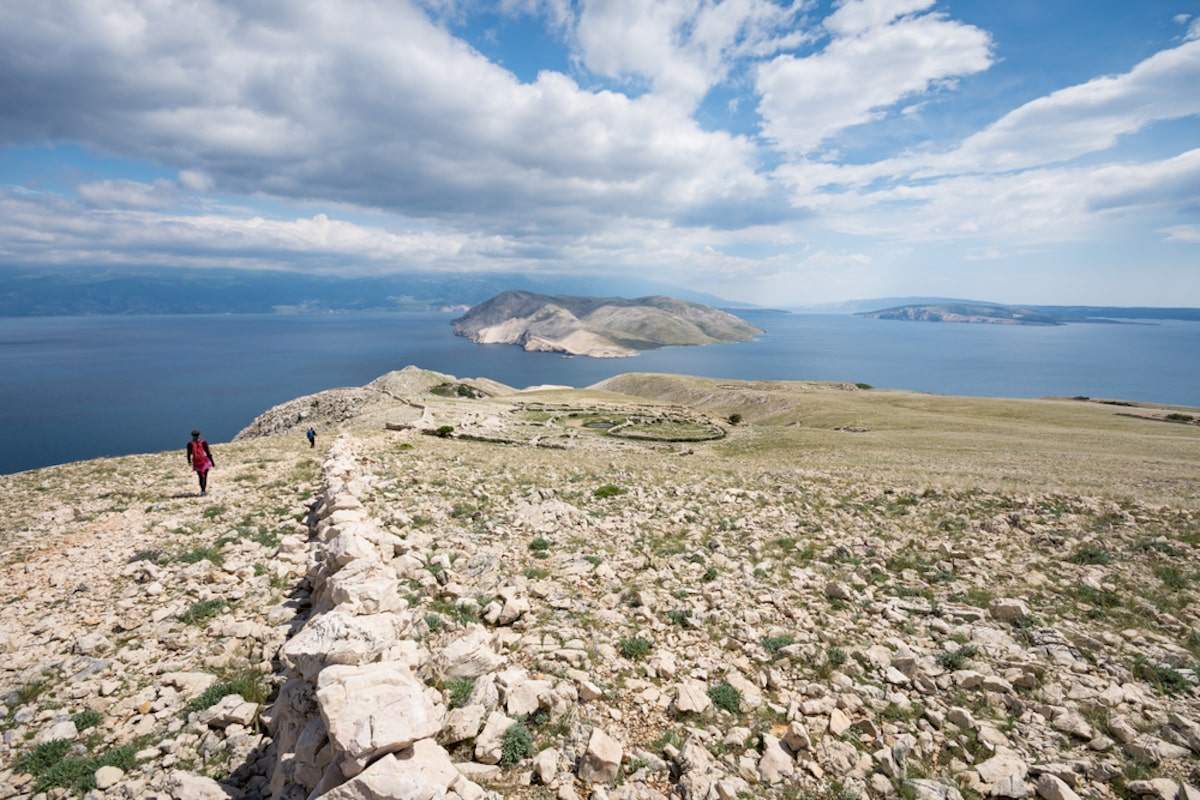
[972,313]
[600,327]
[642,590]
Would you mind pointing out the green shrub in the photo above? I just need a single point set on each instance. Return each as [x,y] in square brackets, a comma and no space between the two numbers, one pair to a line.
[680,617]
[247,683]
[196,554]
[956,659]
[735,419]
[52,767]
[212,512]
[861,385]
[540,543]
[460,690]
[608,490]
[86,719]
[444,431]
[774,644]
[516,744]
[202,610]
[835,656]
[1163,678]
[725,697]
[634,648]
[709,575]
[1091,554]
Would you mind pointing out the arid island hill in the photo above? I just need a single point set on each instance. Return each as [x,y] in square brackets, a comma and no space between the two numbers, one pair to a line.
[601,327]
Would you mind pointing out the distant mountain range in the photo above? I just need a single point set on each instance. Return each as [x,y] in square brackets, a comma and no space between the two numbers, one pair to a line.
[601,327]
[26,292]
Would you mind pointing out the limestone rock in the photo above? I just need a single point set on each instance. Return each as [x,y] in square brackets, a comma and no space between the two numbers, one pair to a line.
[373,709]
[602,759]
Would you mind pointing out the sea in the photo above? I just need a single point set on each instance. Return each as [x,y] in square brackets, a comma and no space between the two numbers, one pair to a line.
[75,388]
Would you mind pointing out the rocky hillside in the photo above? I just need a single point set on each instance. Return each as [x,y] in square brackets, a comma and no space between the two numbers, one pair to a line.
[605,327]
[571,594]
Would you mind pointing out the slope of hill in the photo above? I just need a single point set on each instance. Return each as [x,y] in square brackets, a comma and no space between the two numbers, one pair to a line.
[477,593]
[602,327]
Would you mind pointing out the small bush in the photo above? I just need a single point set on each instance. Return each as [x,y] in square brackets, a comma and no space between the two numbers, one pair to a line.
[460,690]
[52,767]
[540,544]
[709,575]
[735,419]
[680,617]
[536,573]
[1177,417]
[774,644]
[433,622]
[444,431]
[725,697]
[956,659]
[202,610]
[861,385]
[516,744]
[634,648]
[835,656]
[1172,577]
[608,490]
[43,757]
[212,512]
[212,554]
[86,719]
[1163,678]
[247,683]
[1091,554]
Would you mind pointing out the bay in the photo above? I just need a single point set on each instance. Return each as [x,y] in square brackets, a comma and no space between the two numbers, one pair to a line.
[81,387]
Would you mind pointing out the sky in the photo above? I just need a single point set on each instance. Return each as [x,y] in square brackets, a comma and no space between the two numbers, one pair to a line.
[781,153]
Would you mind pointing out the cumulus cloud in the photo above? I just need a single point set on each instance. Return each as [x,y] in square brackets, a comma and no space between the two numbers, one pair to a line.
[681,48]
[364,101]
[879,55]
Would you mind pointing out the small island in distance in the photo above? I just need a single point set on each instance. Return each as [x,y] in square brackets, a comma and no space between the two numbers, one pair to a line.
[600,327]
[981,313]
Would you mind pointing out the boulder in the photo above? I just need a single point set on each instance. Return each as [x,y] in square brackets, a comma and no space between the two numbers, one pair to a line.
[691,697]
[340,638]
[373,709]
[470,655]
[186,786]
[489,740]
[602,759]
[1008,609]
[421,772]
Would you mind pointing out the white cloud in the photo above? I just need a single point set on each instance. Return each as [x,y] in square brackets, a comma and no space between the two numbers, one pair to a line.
[1189,234]
[852,17]
[365,102]
[874,61]
[681,48]
[1087,117]
[128,194]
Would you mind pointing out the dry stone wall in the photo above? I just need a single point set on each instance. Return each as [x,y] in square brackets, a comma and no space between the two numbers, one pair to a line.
[356,718]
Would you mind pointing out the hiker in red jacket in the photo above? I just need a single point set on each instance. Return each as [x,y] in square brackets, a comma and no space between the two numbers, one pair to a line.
[201,459]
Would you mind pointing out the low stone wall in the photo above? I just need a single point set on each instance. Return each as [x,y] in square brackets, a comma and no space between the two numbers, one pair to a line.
[355,718]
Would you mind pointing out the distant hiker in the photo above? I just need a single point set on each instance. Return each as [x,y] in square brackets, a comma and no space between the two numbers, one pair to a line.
[201,459]
[312,437]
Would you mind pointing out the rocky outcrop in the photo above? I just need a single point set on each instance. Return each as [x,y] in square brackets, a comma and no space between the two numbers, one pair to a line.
[600,327]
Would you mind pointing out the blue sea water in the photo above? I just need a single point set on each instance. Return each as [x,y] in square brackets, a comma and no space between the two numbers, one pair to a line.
[82,387]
